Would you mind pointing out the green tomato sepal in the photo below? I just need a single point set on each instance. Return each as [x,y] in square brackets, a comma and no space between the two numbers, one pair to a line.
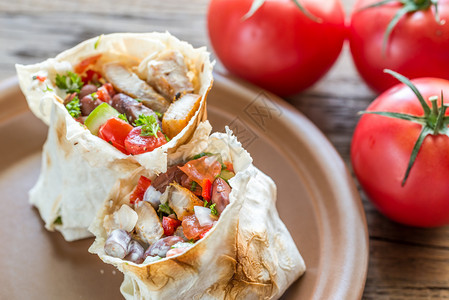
[433,122]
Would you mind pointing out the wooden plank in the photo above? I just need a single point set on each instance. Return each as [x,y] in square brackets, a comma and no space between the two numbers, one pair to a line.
[399,271]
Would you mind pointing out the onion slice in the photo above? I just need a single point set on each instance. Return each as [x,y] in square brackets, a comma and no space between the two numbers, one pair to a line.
[203,214]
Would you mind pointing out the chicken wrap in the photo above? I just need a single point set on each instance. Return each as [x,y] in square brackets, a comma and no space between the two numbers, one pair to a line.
[206,228]
[113,103]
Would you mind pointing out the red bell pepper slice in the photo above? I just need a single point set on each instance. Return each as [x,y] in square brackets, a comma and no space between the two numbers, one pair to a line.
[115,131]
[139,191]
[207,189]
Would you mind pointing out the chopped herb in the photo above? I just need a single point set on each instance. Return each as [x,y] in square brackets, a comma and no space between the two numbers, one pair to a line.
[74,108]
[138,100]
[97,42]
[94,96]
[158,114]
[58,221]
[202,154]
[150,125]
[166,138]
[206,204]
[70,82]
[48,89]
[110,142]
[34,77]
[164,208]
[213,210]
[123,117]
[193,187]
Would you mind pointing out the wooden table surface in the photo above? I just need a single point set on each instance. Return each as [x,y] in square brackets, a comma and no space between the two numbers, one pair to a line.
[405,263]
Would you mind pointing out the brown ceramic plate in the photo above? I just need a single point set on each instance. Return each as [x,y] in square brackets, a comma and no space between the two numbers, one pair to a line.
[317,201]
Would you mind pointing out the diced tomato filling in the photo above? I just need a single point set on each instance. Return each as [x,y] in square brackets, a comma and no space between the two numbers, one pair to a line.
[170,225]
[138,193]
[41,78]
[115,131]
[103,94]
[109,88]
[206,167]
[192,228]
[137,144]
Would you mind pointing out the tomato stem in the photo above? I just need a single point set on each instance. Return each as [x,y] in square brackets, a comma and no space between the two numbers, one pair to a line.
[434,100]
[409,6]
[258,3]
[426,130]
[439,123]
[408,83]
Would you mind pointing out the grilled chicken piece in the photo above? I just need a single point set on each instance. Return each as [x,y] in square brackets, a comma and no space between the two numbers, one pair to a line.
[131,108]
[179,114]
[148,226]
[182,200]
[129,83]
[167,73]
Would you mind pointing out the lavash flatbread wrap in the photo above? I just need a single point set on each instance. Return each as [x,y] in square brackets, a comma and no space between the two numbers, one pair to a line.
[243,252]
[112,103]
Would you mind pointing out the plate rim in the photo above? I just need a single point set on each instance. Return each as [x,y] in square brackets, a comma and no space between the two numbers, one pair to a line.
[330,160]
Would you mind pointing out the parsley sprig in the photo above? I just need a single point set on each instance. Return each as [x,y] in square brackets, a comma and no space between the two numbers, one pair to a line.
[150,125]
[70,82]
[123,117]
[213,210]
[74,107]
[164,210]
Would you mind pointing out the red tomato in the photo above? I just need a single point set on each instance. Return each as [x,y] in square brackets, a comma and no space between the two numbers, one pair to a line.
[202,169]
[417,46]
[137,144]
[192,228]
[380,153]
[278,48]
[139,191]
[170,225]
[115,131]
